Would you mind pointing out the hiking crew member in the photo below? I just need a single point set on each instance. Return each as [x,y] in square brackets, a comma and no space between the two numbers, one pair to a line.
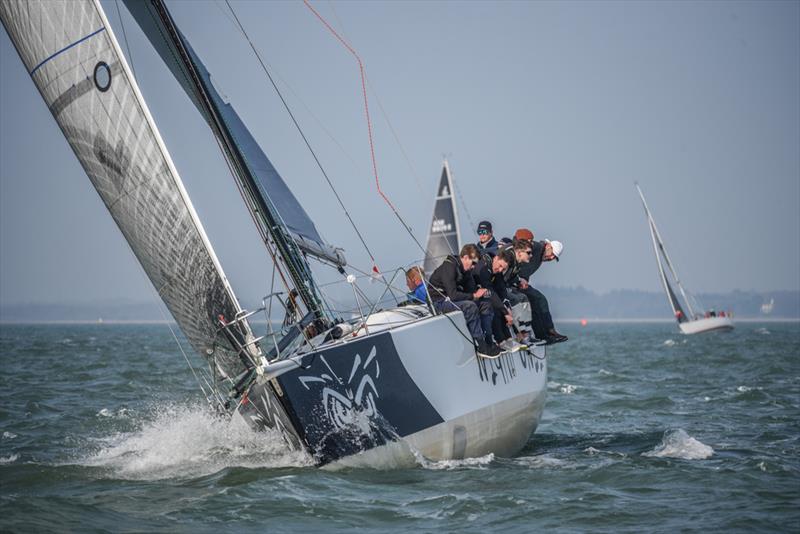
[487,244]
[452,288]
[490,274]
[541,251]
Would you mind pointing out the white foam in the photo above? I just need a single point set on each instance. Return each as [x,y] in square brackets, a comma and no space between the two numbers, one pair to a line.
[9,435]
[562,388]
[679,444]
[191,441]
[763,332]
[105,412]
[480,461]
[9,459]
[544,461]
[669,342]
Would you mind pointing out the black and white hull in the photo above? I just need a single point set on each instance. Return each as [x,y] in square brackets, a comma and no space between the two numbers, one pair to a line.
[415,386]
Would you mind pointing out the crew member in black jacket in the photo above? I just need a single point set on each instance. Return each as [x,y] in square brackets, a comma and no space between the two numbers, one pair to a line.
[541,251]
[452,288]
[489,273]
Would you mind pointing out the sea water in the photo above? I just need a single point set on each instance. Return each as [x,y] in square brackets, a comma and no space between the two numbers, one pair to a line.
[103,428]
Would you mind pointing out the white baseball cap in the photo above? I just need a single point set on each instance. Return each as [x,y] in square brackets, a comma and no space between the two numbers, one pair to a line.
[557,247]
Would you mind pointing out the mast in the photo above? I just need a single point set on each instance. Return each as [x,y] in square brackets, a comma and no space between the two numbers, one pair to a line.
[265,214]
[658,245]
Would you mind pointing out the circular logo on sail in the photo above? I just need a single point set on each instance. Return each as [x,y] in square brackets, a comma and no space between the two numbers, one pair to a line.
[102,76]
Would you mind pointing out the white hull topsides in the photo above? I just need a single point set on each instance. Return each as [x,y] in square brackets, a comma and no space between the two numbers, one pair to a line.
[410,384]
[707,324]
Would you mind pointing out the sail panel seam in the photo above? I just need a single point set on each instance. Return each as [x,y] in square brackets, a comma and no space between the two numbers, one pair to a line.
[53,55]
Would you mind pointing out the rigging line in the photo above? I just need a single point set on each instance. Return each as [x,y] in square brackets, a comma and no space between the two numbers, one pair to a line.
[297,96]
[414,172]
[180,347]
[302,134]
[125,36]
[369,121]
[466,210]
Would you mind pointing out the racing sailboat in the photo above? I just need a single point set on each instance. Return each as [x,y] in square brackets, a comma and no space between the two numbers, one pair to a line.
[691,322]
[344,388]
[444,233]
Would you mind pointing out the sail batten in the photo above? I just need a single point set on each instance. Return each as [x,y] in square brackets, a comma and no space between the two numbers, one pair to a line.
[86,83]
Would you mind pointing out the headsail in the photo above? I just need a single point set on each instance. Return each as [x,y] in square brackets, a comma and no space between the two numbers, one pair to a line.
[73,58]
[661,259]
[273,205]
[444,234]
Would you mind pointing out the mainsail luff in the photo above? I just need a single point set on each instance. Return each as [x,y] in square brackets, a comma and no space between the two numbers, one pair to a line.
[74,60]
[255,174]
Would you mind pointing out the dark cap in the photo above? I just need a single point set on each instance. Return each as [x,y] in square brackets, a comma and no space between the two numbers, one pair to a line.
[485,225]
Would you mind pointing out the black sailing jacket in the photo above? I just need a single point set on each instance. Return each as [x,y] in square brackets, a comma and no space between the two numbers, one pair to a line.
[450,280]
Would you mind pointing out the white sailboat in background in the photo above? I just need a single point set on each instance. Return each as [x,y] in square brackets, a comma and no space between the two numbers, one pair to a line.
[691,323]
[767,307]
[389,381]
[444,234]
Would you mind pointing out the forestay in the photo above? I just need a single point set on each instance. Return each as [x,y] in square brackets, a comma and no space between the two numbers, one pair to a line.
[444,233]
[73,58]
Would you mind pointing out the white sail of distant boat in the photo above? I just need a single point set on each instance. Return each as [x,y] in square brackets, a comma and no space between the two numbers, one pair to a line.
[444,233]
[343,388]
[766,308]
[691,322]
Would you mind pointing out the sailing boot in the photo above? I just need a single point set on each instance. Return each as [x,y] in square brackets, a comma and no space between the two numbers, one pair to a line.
[487,349]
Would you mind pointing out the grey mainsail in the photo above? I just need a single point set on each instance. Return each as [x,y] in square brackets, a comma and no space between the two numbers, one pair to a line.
[74,60]
[663,258]
[444,234]
[275,209]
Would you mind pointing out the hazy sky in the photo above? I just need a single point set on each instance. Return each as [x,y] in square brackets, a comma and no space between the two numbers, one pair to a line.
[548,112]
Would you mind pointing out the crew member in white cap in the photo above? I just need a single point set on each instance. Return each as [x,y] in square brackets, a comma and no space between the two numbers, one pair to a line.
[541,251]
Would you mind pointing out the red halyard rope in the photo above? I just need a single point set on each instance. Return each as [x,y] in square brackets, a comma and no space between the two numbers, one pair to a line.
[366,104]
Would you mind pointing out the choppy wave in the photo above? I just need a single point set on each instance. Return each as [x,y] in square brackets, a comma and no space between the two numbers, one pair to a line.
[480,461]
[567,389]
[679,444]
[190,441]
[9,459]
[9,435]
[105,412]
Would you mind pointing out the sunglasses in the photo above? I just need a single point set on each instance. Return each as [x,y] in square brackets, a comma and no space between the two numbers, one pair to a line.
[483,232]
